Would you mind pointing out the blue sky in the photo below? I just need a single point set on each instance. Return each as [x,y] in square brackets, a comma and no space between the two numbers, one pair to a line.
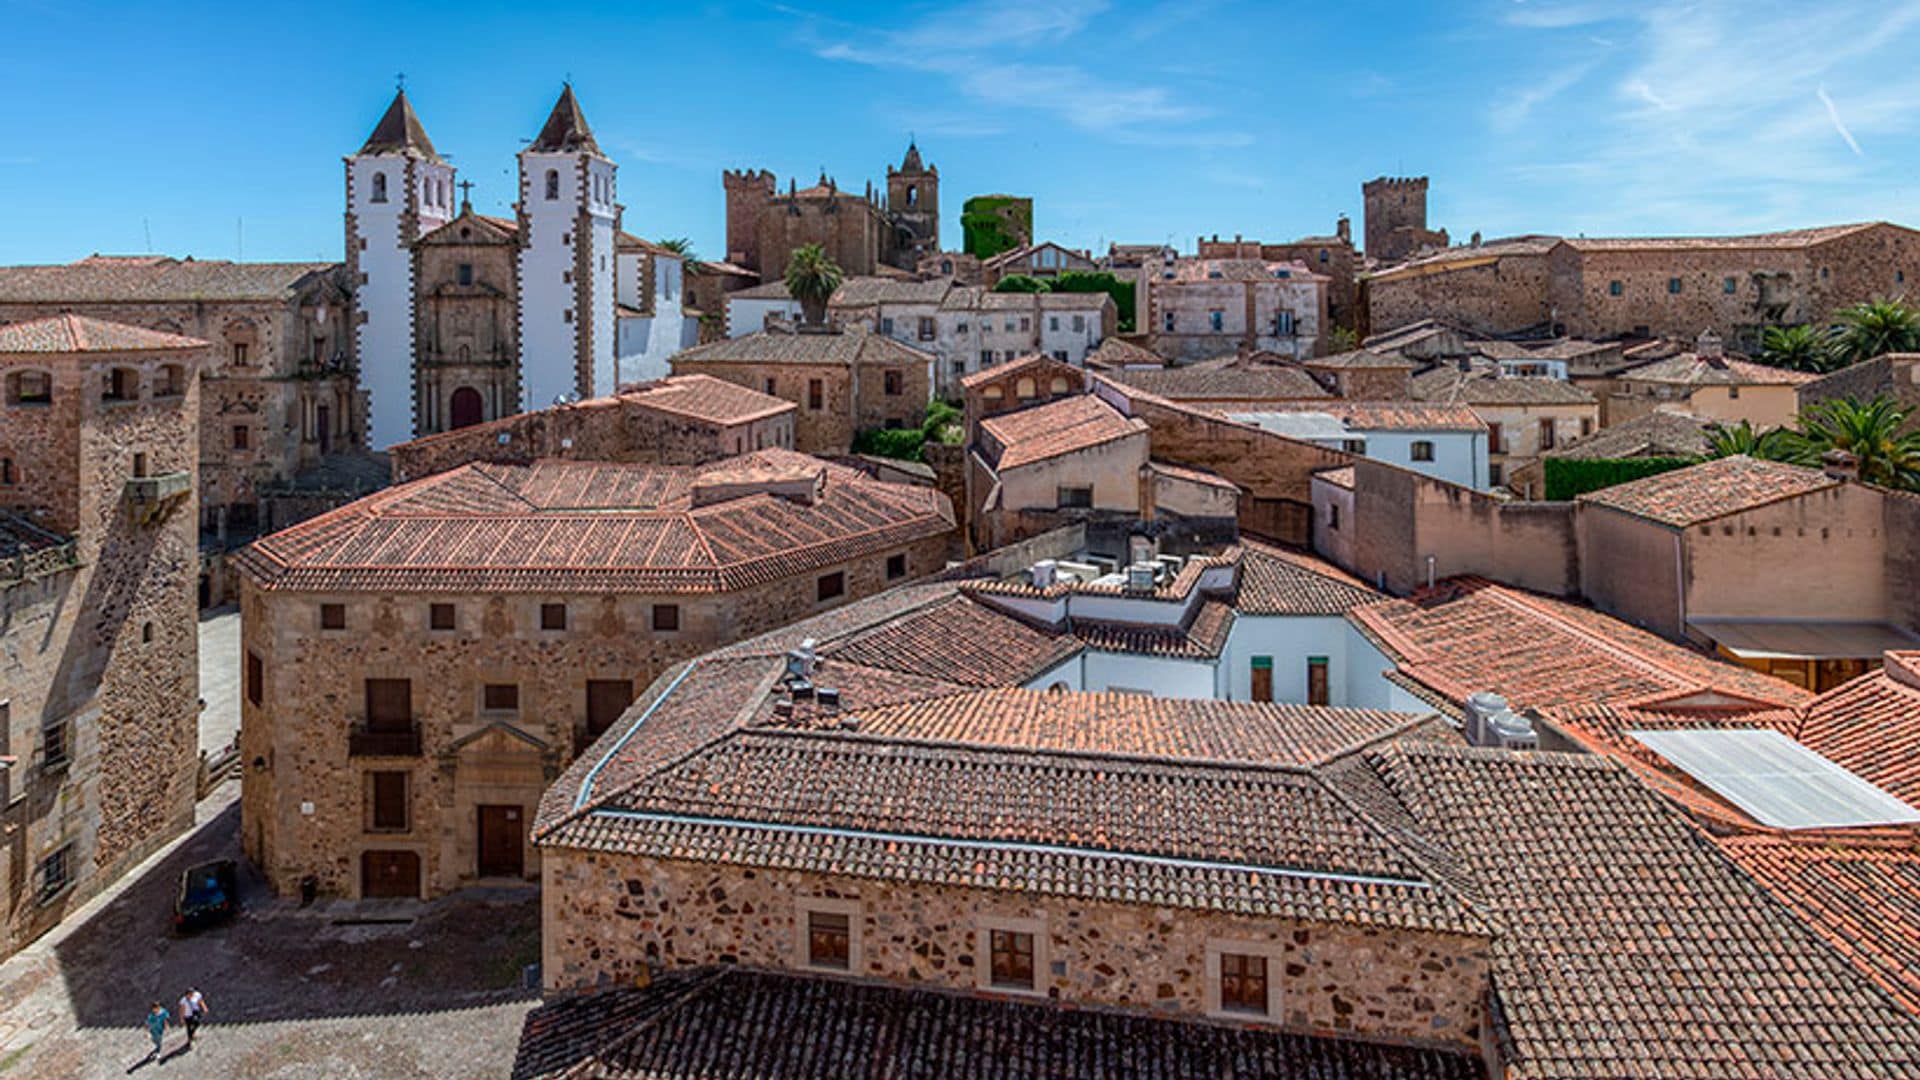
[207,129]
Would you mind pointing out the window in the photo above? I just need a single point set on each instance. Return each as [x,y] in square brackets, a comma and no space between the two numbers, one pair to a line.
[666,617]
[1333,517]
[1260,674]
[1546,434]
[379,187]
[1074,498]
[959,368]
[389,704]
[553,616]
[1010,963]
[1733,393]
[830,586]
[1729,286]
[1053,322]
[1673,285]
[986,357]
[1007,325]
[121,384]
[171,381]
[1060,355]
[55,873]
[333,616]
[1586,425]
[1323,254]
[816,393]
[387,796]
[896,566]
[830,940]
[500,697]
[769,384]
[1495,474]
[1422,450]
[553,183]
[1166,322]
[465,274]
[146,633]
[1025,388]
[993,394]
[239,354]
[1079,323]
[240,437]
[1026,324]
[1217,320]
[886,326]
[30,388]
[895,383]
[256,678]
[6,472]
[1283,323]
[607,699]
[53,746]
[1496,439]
[926,328]
[139,464]
[1243,983]
[1615,288]
[440,616]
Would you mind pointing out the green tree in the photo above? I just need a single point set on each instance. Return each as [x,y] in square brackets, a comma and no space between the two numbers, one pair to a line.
[812,279]
[1773,444]
[1874,432]
[1797,348]
[1093,281]
[680,246]
[1343,339]
[1021,283]
[1875,327]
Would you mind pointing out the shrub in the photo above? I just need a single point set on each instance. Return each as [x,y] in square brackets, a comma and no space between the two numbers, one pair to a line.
[1021,283]
[1570,478]
[901,444]
[1083,281]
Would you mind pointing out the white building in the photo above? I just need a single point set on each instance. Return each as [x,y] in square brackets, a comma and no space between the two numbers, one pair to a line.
[1446,442]
[398,190]
[650,294]
[748,310]
[568,220]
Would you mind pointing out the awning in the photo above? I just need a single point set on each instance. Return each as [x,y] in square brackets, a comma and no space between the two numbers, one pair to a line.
[1804,639]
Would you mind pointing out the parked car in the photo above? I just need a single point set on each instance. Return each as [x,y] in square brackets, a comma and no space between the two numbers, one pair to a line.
[209,894]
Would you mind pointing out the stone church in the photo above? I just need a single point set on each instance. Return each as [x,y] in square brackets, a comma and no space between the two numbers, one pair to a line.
[861,232]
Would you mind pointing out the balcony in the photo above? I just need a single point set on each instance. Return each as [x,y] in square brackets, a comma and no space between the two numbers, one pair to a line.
[384,742]
[152,496]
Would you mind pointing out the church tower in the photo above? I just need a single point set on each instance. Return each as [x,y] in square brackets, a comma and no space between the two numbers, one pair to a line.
[913,210]
[568,224]
[398,190]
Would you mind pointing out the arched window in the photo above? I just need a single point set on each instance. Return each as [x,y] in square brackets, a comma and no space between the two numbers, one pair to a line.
[553,183]
[463,354]
[1024,389]
[466,408]
[992,393]
[913,196]
[171,381]
[1058,385]
[379,187]
[29,387]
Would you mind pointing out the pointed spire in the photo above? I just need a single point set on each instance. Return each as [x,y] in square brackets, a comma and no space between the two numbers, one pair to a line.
[399,132]
[912,161]
[566,130]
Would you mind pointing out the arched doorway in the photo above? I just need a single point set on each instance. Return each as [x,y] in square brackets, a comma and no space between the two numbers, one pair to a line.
[466,407]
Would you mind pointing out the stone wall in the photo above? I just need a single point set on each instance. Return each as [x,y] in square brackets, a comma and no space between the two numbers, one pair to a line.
[825,430]
[608,918]
[465,336]
[1902,529]
[1401,519]
[1489,295]
[314,692]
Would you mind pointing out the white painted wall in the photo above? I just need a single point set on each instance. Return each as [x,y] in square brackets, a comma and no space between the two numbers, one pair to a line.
[1159,675]
[548,291]
[750,316]
[383,303]
[648,343]
[1354,665]
[1459,457]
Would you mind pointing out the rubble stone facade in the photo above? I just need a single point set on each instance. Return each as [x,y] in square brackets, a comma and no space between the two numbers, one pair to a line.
[1396,218]
[859,232]
[843,380]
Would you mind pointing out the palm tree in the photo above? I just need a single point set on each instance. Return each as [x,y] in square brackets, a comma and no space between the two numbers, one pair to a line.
[812,279]
[1875,327]
[1773,444]
[680,246]
[1797,348]
[1872,432]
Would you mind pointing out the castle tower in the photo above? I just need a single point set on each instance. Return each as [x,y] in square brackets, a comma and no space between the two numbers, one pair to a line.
[398,190]
[913,210]
[568,223]
[748,193]
[1389,204]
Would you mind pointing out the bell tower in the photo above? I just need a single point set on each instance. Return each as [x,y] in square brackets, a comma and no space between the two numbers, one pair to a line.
[913,209]
[568,224]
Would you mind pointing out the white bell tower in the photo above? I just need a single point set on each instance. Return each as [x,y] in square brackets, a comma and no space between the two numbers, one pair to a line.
[568,224]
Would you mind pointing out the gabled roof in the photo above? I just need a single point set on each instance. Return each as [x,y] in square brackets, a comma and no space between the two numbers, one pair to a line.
[1655,434]
[1069,425]
[705,398]
[1712,489]
[565,131]
[1037,362]
[1871,725]
[471,227]
[1225,380]
[159,278]
[1117,353]
[399,132]
[1274,581]
[1364,416]
[1693,369]
[1785,240]
[841,347]
[1360,358]
[57,334]
[1482,386]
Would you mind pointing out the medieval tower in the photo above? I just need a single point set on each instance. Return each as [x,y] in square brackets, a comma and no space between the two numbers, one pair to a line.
[398,190]
[913,209]
[1395,209]
[569,221]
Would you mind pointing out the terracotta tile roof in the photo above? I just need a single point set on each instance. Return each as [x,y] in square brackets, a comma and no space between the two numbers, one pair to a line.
[1625,943]
[1358,358]
[1379,415]
[958,640]
[704,397]
[1691,369]
[81,334]
[768,290]
[1862,896]
[1656,434]
[582,527]
[400,132]
[686,1023]
[1448,384]
[868,291]
[1204,637]
[1468,635]
[1871,725]
[1193,476]
[1467,256]
[1709,490]
[1225,381]
[1012,367]
[1116,353]
[1195,271]
[837,348]
[1071,424]
[1340,477]
[1789,238]
[1278,582]
[125,280]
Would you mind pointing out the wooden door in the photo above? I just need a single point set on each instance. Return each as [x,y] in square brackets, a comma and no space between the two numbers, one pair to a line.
[606,700]
[1263,678]
[466,408]
[390,875]
[1316,680]
[502,842]
[323,419]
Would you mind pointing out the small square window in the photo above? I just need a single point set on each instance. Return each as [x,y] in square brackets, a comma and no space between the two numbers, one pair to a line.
[896,566]
[55,873]
[53,746]
[829,940]
[1074,498]
[1422,450]
[1729,286]
[440,616]
[333,616]
[666,616]
[1673,285]
[831,586]
[256,678]
[500,697]
[1011,959]
[1243,983]
[1615,288]
[769,385]
[553,616]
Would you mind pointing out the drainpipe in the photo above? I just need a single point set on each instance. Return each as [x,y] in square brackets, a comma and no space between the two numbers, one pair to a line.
[1430,562]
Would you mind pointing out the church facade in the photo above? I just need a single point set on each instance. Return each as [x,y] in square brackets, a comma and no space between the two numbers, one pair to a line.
[861,232]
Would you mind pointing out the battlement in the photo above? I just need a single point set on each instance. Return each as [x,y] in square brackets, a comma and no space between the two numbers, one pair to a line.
[748,179]
[1383,184]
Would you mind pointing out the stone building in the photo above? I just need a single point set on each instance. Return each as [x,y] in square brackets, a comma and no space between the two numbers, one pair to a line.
[99,653]
[681,420]
[1395,216]
[1332,257]
[466,322]
[277,394]
[1705,381]
[844,380]
[992,224]
[420,665]
[860,232]
[1044,260]
[1196,308]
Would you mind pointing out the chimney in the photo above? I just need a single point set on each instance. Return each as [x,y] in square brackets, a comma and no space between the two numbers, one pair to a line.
[1343,228]
[1707,347]
[1043,573]
[1838,464]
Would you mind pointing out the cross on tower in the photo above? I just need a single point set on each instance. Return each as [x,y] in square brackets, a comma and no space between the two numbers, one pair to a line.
[400,81]
[466,195]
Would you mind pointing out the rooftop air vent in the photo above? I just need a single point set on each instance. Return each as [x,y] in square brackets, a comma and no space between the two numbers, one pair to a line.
[828,697]
[1141,577]
[1043,573]
[1490,722]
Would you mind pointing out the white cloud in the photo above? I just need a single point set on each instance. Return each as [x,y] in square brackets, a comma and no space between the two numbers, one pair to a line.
[1833,114]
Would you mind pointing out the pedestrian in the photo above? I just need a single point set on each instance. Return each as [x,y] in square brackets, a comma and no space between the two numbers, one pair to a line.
[157,1017]
[193,1010]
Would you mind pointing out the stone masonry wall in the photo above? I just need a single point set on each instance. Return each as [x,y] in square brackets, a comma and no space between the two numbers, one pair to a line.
[609,917]
[826,430]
